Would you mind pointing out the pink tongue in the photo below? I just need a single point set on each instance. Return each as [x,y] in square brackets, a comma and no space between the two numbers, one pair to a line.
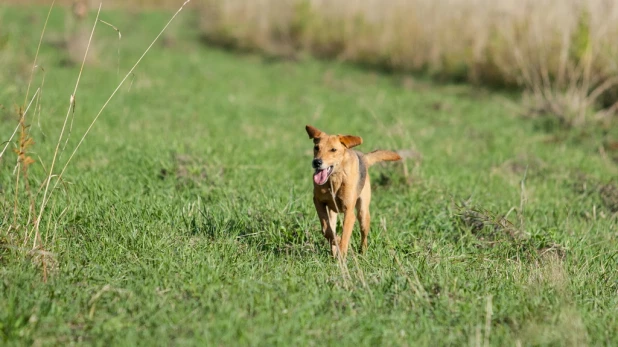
[320,177]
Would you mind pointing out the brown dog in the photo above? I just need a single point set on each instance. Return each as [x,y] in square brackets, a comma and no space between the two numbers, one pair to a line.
[340,183]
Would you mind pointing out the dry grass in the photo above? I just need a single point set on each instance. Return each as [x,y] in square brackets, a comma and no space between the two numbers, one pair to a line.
[486,225]
[562,52]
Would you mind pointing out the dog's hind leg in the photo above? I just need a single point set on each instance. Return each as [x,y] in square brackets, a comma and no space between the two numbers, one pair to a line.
[362,214]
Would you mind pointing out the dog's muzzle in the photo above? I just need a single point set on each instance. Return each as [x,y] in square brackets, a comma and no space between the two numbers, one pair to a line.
[316,163]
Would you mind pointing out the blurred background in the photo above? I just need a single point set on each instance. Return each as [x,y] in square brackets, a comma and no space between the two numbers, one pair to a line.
[561,53]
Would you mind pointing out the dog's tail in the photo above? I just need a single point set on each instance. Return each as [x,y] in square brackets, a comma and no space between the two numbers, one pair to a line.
[380,155]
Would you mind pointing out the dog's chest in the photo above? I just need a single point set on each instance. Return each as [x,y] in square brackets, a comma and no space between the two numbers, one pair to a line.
[333,194]
[326,192]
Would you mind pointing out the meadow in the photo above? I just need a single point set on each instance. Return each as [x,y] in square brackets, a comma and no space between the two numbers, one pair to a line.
[185,217]
[562,53]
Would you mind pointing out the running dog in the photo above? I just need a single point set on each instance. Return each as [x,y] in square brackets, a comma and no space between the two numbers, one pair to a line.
[341,183]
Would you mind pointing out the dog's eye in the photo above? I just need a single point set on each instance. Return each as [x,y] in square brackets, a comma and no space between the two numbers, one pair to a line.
[316,148]
[333,150]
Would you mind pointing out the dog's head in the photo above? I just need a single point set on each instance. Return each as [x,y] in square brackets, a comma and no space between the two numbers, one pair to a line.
[328,152]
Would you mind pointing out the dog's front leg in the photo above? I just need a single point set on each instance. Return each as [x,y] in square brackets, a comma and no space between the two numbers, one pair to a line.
[323,214]
[348,226]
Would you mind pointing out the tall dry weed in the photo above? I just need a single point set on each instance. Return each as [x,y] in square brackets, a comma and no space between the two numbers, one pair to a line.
[563,52]
[26,233]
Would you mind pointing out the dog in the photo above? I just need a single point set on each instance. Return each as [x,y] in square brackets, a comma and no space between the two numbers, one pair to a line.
[341,183]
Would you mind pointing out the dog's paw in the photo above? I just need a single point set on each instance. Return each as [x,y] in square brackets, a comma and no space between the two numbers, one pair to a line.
[336,251]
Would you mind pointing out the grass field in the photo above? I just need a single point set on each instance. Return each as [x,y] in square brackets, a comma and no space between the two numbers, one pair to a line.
[186,218]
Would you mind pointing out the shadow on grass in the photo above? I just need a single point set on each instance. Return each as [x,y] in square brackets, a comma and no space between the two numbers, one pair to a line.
[265,231]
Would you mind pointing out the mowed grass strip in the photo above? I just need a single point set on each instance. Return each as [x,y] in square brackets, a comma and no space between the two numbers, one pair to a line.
[186,216]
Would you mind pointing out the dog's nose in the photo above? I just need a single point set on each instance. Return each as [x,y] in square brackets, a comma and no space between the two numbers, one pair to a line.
[316,163]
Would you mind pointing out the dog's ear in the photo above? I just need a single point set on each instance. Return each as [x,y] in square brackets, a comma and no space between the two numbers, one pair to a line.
[350,141]
[313,132]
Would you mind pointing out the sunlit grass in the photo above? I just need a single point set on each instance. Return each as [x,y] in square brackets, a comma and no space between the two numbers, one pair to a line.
[186,215]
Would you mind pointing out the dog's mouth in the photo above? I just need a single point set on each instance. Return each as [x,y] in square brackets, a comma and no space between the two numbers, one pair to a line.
[321,175]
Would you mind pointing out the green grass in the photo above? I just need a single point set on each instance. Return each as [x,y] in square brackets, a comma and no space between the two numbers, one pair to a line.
[188,215]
